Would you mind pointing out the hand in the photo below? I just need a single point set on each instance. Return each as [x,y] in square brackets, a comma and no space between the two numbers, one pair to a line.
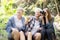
[26,33]
[39,28]
[41,17]
[46,15]
[27,20]
[14,29]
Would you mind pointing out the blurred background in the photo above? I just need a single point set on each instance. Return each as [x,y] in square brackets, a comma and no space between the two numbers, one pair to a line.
[8,8]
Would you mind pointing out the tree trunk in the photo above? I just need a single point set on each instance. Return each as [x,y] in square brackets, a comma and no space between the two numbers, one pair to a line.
[56,6]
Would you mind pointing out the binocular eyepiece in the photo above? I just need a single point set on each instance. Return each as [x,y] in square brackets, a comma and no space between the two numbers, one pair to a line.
[42,12]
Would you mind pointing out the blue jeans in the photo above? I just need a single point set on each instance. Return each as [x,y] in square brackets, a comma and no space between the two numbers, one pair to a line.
[42,34]
[49,34]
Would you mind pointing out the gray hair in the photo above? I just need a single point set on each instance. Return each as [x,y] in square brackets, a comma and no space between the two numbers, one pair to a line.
[20,8]
[38,9]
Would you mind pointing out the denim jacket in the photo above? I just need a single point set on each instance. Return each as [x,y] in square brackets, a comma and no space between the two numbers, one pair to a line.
[11,24]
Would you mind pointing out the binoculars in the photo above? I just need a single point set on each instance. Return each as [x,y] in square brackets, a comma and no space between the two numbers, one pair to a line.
[43,12]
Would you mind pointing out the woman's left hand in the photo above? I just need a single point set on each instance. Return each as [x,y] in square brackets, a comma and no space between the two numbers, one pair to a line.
[46,15]
[39,28]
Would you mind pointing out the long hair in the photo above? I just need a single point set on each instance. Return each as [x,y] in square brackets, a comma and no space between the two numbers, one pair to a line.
[49,14]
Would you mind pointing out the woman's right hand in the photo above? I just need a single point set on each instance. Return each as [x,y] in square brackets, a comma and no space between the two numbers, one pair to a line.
[26,33]
[27,20]
[14,29]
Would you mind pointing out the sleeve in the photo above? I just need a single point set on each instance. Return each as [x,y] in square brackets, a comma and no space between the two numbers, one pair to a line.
[23,28]
[9,26]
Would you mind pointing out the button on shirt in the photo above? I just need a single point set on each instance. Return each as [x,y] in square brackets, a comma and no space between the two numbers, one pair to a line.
[18,22]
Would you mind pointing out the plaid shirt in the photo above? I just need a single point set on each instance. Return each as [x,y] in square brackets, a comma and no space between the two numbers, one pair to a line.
[30,25]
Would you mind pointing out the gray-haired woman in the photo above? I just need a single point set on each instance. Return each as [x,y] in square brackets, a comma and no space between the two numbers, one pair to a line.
[34,25]
[15,26]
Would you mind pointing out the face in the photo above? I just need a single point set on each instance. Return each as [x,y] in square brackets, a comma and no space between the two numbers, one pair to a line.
[19,13]
[37,14]
[41,16]
[46,13]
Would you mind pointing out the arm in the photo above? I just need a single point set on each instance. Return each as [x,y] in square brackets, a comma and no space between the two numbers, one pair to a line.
[9,26]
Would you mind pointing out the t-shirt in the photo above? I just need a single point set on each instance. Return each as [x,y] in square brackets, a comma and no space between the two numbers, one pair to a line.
[18,22]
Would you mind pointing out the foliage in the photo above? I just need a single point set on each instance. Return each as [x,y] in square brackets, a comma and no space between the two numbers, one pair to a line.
[8,8]
[6,11]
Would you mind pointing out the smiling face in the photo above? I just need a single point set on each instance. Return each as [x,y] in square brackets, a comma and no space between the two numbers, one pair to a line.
[37,14]
[19,13]
[48,14]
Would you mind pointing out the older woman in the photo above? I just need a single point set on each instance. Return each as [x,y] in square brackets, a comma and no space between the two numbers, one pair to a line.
[34,25]
[15,26]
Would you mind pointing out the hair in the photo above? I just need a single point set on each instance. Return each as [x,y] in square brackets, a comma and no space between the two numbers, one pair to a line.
[37,10]
[20,8]
[49,14]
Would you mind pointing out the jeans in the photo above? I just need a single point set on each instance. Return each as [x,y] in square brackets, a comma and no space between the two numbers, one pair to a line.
[49,34]
[46,34]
